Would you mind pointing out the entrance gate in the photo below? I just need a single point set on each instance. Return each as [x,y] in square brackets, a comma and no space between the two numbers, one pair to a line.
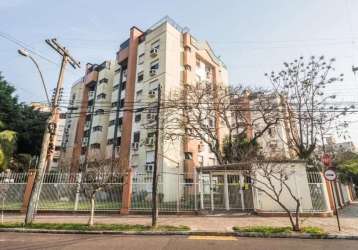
[225,191]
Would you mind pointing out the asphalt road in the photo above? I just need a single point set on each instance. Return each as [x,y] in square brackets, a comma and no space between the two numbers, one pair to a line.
[21,241]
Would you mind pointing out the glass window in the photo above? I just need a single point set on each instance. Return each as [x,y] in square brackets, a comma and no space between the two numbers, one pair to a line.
[136,136]
[137,117]
[154,65]
[150,156]
[140,76]
[141,58]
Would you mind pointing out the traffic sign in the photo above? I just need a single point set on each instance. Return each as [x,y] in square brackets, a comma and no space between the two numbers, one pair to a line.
[326,159]
[330,174]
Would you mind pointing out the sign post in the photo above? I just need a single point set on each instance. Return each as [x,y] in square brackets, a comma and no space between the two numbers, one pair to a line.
[331,176]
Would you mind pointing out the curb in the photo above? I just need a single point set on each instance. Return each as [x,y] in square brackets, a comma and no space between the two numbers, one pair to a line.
[186,233]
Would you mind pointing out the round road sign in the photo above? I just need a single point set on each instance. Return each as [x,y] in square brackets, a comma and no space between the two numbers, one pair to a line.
[330,174]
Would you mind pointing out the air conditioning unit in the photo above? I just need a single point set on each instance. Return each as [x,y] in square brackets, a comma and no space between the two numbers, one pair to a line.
[135,146]
[151,93]
[151,117]
[149,141]
[154,52]
[149,167]
[152,72]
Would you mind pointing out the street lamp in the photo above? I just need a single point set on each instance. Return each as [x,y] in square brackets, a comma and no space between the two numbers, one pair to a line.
[25,53]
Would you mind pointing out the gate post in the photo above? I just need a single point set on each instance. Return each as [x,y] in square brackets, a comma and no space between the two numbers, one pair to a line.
[226,193]
[31,174]
[78,189]
[211,191]
[201,190]
[242,180]
[126,192]
[195,190]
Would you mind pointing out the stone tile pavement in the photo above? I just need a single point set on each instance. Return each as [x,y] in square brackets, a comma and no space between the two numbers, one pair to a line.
[221,223]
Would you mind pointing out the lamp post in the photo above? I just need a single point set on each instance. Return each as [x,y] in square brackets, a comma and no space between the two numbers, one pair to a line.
[27,54]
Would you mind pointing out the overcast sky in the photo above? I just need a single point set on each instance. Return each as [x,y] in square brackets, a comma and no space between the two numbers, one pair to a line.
[252,37]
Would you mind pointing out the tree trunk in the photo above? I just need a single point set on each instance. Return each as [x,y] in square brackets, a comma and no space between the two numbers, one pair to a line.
[297,226]
[91,218]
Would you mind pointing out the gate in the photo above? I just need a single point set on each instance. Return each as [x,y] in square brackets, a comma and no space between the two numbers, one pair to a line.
[225,191]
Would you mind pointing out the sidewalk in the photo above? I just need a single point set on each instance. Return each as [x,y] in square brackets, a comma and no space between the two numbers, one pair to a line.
[219,223]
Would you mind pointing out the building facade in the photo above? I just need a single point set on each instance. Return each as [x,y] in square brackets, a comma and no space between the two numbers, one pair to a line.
[112,112]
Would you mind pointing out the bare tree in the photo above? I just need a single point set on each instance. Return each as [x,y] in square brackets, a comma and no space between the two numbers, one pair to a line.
[215,115]
[273,179]
[311,114]
[96,178]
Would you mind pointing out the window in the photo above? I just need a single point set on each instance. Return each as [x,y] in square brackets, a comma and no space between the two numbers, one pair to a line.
[211,123]
[114,104]
[111,122]
[99,112]
[117,70]
[109,141]
[136,136]
[140,76]
[154,65]
[188,155]
[121,104]
[123,86]
[57,148]
[271,132]
[155,45]
[103,80]
[63,116]
[101,96]
[150,156]
[118,141]
[97,128]
[55,160]
[115,87]
[137,117]
[119,121]
[141,58]
[139,94]
[212,161]
[95,145]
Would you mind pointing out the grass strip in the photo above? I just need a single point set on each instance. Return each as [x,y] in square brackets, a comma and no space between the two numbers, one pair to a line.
[276,230]
[96,227]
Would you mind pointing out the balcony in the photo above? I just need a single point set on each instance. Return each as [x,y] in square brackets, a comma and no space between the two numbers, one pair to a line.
[84,141]
[87,125]
[91,95]
[91,77]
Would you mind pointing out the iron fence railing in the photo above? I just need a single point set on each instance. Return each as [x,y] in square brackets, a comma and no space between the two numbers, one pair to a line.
[176,192]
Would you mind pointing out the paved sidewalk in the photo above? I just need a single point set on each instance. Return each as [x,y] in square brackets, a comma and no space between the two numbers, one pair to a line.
[220,223]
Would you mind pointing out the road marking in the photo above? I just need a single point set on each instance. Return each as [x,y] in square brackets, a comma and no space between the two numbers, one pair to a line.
[194,237]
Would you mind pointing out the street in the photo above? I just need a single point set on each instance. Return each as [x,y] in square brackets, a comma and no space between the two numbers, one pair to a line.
[22,241]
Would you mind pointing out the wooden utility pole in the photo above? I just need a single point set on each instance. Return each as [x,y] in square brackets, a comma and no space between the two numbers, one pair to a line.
[51,125]
[155,169]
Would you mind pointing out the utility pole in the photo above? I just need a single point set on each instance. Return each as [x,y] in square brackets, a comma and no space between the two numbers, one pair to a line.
[48,138]
[155,170]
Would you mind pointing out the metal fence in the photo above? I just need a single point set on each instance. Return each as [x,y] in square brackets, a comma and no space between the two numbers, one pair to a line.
[176,193]
[317,187]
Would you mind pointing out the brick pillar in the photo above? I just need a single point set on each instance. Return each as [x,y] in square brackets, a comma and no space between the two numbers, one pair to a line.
[28,189]
[127,193]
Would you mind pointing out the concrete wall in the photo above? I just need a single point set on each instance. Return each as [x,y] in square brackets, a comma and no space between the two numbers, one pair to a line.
[298,183]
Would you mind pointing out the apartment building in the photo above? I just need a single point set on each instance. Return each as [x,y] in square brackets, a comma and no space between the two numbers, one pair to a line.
[113,107]
[264,116]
